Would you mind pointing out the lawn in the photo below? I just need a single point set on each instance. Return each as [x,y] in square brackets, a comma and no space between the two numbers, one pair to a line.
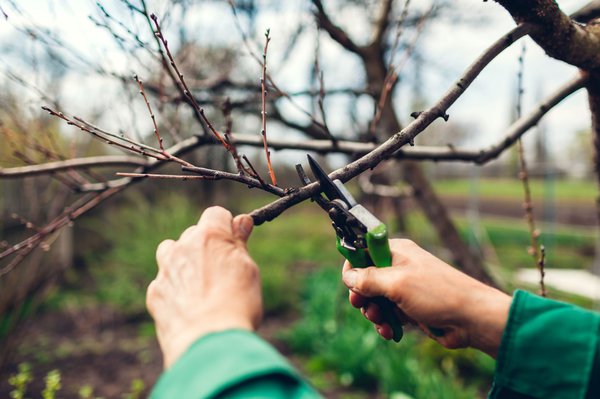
[561,190]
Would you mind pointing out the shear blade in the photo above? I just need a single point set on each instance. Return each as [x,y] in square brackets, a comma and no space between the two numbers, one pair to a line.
[329,188]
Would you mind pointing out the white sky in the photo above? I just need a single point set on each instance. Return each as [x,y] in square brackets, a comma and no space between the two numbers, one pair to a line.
[486,105]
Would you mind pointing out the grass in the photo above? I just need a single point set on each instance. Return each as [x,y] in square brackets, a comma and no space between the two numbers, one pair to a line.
[509,239]
[287,249]
[562,190]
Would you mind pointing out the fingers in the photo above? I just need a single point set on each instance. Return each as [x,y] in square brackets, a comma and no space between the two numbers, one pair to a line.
[372,281]
[162,252]
[242,227]
[357,300]
[373,313]
[216,218]
[385,331]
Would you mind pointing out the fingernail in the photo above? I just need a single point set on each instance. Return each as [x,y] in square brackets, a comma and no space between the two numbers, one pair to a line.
[246,224]
[349,278]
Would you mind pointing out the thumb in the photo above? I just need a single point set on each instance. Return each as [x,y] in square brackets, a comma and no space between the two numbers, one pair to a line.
[242,227]
[371,281]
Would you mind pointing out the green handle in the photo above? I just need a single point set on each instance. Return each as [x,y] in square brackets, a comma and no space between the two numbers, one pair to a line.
[377,253]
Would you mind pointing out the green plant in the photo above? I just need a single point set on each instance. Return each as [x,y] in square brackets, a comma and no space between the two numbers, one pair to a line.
[122,272]
[287,250]
[53,384]
[136,389]
[20,381]
[86,392]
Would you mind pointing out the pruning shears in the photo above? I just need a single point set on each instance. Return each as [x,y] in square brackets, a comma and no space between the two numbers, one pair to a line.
[361,237]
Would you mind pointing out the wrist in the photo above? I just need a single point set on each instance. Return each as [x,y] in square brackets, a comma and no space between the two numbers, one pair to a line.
[487,319]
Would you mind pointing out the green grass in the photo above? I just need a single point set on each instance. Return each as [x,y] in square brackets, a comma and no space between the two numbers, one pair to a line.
[509,239]
[287,249]
[563,190]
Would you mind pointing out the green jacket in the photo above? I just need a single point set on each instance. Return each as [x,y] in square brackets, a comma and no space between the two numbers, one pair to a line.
[549,350]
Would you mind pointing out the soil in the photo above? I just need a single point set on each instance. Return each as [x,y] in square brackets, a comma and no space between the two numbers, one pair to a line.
[96,347]
[106,350]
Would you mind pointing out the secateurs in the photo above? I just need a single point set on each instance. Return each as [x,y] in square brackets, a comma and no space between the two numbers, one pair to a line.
[361,237]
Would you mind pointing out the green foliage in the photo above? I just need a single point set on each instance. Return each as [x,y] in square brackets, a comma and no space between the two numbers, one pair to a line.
[123,272]
[53,384]
[335,336]
[286,250]
[86,392]
[20,381]
[136,389]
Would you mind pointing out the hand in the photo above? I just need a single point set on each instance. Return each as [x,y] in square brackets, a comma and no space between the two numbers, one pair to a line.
[429,292]
[206,282]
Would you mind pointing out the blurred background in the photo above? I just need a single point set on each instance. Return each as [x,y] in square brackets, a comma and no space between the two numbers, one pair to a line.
[73,322]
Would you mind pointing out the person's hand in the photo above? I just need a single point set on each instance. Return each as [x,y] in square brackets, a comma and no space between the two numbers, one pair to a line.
[431,293]
[206,282]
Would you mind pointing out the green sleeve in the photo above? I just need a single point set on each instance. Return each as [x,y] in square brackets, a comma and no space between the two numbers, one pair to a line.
[231,364]
[549,350]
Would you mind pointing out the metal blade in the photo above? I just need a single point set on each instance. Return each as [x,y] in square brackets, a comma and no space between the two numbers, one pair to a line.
[319,199]
[327,185]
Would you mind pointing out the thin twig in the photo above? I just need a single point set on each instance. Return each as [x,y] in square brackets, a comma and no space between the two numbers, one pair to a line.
[264,108]
[184,86]
[247,180]
[321,93]
[255,173]
[156,132]
[161,176]
[535,250]
[226,108]
[279,92]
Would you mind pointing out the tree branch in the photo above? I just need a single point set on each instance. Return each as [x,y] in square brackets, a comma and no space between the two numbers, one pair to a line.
[383,23]
[336,33]
[407,135]
[431,153]
[70,164]
[554,31]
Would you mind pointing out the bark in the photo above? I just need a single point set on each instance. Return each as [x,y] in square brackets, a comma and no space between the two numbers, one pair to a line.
[560,36]
[593,88]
